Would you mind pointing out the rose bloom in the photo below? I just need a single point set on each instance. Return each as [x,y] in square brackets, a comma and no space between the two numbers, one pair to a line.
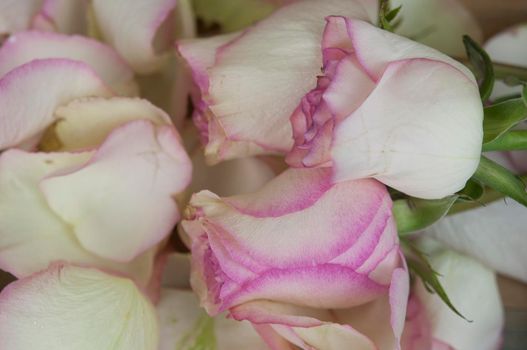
[392,109]
[264,257]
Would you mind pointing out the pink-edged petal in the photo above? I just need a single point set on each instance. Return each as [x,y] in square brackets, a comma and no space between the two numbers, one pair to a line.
[24,47]
[16,15]
[131,27]
[388,48]
[47,83]
[68,307]
[303,327]
[185,325]
[249,99]
[121,202]
[440,24]
[64,16]
[473,290]
[509,47]
[85,123]
[379,139]
[493,234]
[274,229]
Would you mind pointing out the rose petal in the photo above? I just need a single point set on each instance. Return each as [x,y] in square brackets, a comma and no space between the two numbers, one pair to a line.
[28,246]
[379,139]
[509,47]
[493,234]
[16,15]
[24,47]
[85,123]
[470,286]
[49,83]
[131,26]
[68,307]
[135,173]
[64,16]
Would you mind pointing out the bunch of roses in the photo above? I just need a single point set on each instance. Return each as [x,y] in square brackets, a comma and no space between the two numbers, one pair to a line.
[92,178]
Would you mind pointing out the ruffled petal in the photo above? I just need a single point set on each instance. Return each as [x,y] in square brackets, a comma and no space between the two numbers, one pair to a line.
[135,174]
[24,47]
[68,307]
[248,101]
[49,83]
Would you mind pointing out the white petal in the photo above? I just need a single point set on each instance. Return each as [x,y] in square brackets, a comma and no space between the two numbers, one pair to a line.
[69,307]
[16,15]
[131,27]
[473,290]
[64,16]
[30,245]
[508,47]
[493,234]
[121,203]
[85,123]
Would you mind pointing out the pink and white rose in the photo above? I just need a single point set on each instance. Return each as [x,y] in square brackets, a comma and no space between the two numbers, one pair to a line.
[391,109]
[250,83]
[263,256]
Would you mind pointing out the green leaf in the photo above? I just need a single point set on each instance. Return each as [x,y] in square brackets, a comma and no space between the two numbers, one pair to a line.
[495,176]
[387,16]
[419,266]
[510,141]
[414,214]
[501,117]
[482,65]
[524,94]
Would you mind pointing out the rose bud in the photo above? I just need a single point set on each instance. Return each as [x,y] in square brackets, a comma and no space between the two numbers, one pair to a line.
[250,83]
[264,256]
[391,109]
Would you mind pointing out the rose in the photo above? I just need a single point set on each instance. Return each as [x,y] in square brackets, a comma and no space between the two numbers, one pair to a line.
[392,109]
[250,83]
[264,256]
[104,197]
[431,324]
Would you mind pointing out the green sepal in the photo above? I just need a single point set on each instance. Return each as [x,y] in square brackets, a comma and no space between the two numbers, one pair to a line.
[419,266]
[414,214]
[495,176]
[387,16]
[472,191]
[482,66]
[501,117]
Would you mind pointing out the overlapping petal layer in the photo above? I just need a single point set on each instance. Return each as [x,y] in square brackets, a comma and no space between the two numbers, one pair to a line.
[250,85]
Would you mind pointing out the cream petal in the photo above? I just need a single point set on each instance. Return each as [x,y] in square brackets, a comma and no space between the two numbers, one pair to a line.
[68,307]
